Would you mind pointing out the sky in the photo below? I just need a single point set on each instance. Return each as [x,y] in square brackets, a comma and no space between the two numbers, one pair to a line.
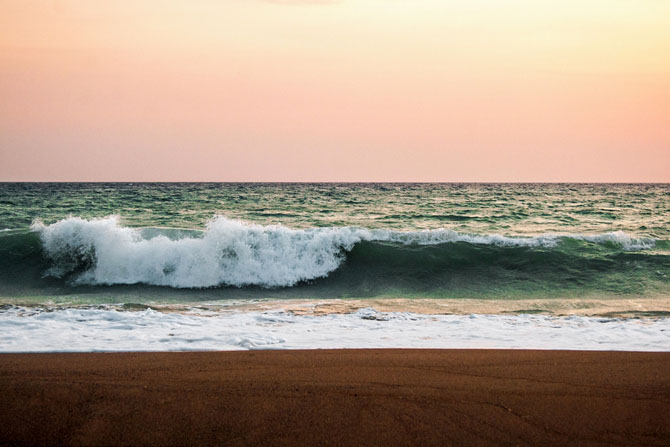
[321,90]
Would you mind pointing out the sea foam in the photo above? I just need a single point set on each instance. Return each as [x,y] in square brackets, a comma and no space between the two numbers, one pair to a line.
[49,330]
[236,253]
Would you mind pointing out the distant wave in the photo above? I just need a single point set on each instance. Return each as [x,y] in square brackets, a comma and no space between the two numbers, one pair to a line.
[235,253]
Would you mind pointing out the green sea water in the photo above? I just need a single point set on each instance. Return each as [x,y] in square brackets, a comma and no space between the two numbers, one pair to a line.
[189,242]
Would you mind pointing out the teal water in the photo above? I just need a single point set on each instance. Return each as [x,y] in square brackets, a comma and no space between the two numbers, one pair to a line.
[189,242]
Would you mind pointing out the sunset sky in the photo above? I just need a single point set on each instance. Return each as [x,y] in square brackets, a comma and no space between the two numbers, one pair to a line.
[351,90]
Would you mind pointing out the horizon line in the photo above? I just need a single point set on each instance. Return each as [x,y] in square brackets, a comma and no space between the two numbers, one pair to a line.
[492,182]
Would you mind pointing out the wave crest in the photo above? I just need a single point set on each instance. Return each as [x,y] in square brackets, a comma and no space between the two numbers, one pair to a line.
[235,253]
[229,252]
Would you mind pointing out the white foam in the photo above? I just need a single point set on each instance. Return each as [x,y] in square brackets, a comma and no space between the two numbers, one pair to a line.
[229,252]
[620,239]
[236,253]
[78,330]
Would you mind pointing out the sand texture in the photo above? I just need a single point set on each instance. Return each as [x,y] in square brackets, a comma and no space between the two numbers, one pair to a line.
[336,397]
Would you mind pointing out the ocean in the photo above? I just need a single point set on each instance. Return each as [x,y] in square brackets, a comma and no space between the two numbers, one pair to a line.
[121,266]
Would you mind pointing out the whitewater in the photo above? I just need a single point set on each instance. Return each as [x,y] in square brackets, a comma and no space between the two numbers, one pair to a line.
[83,330]
[235,253]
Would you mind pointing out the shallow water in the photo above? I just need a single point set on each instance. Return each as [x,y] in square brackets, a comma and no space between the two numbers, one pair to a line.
[76,330]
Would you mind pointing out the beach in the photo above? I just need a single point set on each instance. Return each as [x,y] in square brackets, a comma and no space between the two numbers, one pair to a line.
[336,397]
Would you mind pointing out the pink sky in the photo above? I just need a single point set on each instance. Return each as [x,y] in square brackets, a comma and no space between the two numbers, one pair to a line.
[352,90]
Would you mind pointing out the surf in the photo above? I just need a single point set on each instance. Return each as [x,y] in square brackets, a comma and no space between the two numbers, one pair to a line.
[347,260]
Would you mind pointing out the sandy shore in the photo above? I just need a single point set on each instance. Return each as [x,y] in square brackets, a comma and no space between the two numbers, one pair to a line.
[335,397]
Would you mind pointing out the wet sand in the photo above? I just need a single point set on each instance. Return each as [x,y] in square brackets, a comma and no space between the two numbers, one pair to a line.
[583,306]
[337,397]
[619,308]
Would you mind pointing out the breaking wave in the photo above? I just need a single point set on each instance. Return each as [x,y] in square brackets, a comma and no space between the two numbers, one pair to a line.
[234,253]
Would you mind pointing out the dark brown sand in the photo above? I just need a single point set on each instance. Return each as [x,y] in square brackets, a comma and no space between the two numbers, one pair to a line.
[336,397]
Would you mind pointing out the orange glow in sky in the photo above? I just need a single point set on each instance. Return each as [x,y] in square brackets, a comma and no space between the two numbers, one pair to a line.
[351,90]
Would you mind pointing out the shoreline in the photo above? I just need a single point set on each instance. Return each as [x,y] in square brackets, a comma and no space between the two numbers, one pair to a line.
[104,329]
[337,397]
[591,307]
[651,307]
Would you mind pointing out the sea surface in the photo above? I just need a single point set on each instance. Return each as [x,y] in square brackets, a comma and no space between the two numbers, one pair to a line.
[73,254]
